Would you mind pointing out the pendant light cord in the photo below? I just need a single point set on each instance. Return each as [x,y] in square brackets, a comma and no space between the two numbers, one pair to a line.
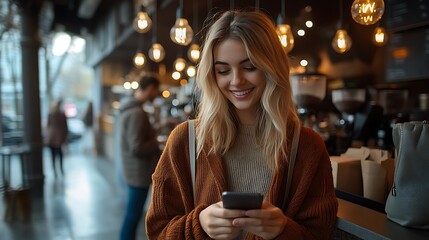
[155,12]
[195,13]
[341,13]
[283,9]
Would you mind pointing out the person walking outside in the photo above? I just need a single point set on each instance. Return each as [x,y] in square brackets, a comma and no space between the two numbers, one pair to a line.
[139,152]
[56,134]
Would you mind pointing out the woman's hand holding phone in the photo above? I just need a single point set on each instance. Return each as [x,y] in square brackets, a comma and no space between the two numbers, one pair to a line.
[222,223]
[216,221]
[267,222]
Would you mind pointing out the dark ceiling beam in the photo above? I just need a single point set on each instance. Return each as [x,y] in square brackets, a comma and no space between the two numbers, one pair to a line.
[87,8]
[165,3]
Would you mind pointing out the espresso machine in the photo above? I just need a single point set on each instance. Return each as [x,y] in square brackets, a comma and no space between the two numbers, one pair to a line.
[394,104]
[308,92]
[360,119]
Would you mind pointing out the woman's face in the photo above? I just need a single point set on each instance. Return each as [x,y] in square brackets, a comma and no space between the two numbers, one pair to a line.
[240,82]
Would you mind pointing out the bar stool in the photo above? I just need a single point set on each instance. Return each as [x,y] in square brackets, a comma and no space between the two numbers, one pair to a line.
[18,200]
[7,152]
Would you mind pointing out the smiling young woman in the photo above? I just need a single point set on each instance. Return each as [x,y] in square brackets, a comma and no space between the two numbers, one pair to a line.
[244,128]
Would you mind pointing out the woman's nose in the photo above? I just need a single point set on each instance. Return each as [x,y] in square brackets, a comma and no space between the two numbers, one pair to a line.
[237,78]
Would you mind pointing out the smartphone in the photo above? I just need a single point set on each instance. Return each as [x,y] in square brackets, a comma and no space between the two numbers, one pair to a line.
[242,200]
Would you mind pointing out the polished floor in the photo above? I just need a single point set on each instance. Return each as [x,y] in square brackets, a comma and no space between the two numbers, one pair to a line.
[87,203]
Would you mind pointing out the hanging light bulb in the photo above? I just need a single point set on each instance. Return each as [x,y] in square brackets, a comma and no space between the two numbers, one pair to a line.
[179,64]
[342,41]
[156,52]
[367,12]
[284,31]
[142,23]
[286,37]
[380,36]
[194,52]
[181,33]
[139,59]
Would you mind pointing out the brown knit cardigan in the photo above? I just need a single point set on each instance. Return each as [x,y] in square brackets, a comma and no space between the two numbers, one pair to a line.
[173,214]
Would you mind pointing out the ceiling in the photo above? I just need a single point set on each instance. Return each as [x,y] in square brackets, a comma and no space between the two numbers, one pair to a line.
[76,14]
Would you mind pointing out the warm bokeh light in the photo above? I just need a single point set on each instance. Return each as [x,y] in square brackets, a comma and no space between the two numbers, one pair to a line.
[127,85]
[183,82]
[194,52]
[380,36]
[134,85]
[303,62]
[181,33]
[399,53]
[309,24]
[286,37]
[139,59]
[179,64]
[166,94]
[301,32]
[142,23]
[176,75]
[157,52]
[342,41]
[367,12]
[191,71]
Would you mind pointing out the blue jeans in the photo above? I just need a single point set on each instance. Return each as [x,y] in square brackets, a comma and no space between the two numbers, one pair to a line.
[134,211]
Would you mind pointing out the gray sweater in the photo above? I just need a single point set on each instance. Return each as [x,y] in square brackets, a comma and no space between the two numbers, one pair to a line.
[139,147]
[246,166]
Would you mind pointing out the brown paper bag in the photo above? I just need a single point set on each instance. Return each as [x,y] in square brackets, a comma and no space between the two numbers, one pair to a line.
[347,174]
[377,175]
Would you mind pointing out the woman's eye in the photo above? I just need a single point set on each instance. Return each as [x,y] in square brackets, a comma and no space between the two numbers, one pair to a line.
[222,71]
[252,68]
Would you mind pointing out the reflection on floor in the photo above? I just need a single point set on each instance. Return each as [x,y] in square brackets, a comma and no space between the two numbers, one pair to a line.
[86,204]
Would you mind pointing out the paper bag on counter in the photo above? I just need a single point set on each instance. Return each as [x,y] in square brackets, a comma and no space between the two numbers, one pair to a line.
[347,174]
[377,175]
[359,153]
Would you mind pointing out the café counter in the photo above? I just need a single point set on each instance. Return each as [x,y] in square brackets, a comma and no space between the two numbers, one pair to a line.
[359,222]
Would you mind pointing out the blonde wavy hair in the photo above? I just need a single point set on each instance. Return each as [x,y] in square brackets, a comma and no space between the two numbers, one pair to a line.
[218,123]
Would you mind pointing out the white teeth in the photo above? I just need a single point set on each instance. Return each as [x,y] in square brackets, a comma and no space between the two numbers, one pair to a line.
[242,92]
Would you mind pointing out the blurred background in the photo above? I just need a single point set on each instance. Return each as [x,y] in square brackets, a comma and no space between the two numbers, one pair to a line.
[357,67]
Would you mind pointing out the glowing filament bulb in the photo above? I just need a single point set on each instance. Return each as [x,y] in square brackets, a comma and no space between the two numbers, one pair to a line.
[380,36]
[286,37]
[194,52]
[142,23]
[156,52]
[139,59]
[179,64]
[181,33]
[367,12]
[342,41]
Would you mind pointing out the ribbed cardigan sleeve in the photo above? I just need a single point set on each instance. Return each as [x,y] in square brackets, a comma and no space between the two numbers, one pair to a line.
[312,211]
[171,214]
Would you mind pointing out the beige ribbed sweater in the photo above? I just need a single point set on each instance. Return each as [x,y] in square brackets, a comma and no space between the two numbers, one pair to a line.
[246,167]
